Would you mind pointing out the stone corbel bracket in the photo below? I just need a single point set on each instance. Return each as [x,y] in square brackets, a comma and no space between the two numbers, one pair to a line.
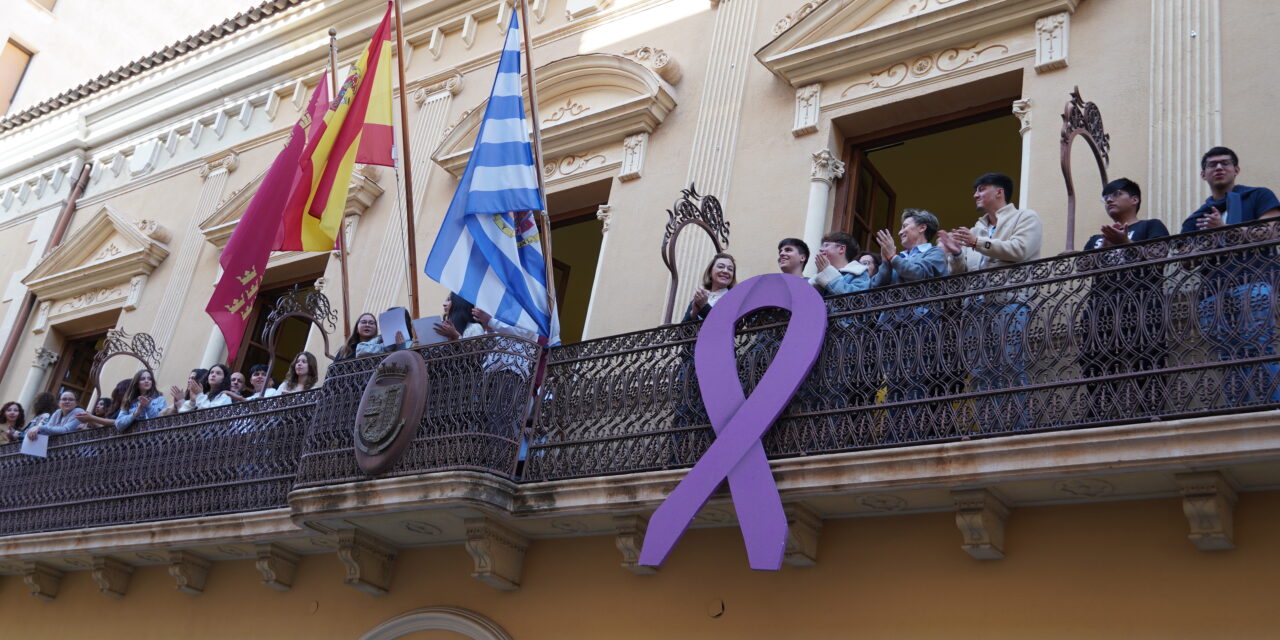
[980,515]
[277,566]
[42,579]
[630,539]
[370,562]
[1209,504]
[189,571]
[112,576]
[498,553]
[804,528]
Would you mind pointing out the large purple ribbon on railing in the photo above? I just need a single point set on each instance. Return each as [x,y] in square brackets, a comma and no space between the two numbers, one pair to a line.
[740,421]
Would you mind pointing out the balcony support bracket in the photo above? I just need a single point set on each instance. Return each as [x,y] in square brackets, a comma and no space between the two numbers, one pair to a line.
[804,528]
[1209,504]
[189,570]
[112,576]
[276,564]
[980,515]
[370,561]
[498,553]
[42,579]
[630,539]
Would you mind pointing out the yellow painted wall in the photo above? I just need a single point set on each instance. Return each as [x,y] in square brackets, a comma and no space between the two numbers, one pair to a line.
[1113,570]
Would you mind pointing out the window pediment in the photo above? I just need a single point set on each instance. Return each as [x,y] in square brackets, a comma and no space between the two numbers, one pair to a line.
[838,39]
[107,252]
[217,227]
[586,102]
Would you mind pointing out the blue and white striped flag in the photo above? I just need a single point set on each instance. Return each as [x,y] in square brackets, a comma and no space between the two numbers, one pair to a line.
[488,250]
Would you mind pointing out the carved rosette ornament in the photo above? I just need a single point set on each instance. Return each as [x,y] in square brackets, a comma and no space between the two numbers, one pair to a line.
[660,61]
[390,411]
[795,16]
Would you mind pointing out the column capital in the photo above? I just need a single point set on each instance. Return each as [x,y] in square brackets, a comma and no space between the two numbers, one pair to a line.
[603,215]
[45,358]
[226,163]
[1022,109]
[826,167]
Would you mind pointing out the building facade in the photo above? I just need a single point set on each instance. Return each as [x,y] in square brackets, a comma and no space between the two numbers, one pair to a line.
[1065,502]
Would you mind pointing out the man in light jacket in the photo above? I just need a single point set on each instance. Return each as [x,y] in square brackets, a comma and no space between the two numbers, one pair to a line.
[1003,235]
[838,272]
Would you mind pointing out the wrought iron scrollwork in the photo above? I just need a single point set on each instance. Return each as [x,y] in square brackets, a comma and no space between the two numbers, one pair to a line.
[139,346]
[1084,119]
[306,304]
[697,210]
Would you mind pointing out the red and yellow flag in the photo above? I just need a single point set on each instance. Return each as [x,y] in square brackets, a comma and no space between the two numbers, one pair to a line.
[356,128]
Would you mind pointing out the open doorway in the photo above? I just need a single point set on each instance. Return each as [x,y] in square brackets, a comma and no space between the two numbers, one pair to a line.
[75,364]
[576,234]
[927,165]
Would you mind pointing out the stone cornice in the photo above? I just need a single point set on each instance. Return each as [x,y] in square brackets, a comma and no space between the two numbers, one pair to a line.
[73,269]
[827,44]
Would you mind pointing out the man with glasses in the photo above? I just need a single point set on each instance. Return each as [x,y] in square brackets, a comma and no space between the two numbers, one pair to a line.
[1234,306]
[1230,203]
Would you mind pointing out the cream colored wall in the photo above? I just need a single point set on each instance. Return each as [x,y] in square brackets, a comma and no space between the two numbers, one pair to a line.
[1110,570]
[1248,92]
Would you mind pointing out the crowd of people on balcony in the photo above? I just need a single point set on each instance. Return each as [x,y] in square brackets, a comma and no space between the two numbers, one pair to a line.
[1003,235]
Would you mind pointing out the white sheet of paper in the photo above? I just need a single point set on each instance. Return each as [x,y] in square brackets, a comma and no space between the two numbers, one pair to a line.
[38,447]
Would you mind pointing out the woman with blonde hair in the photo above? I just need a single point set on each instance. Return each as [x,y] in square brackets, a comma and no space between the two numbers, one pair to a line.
[721,276]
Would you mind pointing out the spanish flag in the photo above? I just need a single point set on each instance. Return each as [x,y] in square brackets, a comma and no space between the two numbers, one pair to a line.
[356,128]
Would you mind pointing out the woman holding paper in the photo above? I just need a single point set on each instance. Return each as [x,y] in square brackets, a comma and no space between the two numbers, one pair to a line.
[60,421]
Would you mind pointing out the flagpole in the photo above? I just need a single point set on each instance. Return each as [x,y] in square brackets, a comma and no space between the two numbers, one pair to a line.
[409,222]
[536,142]
[342,240]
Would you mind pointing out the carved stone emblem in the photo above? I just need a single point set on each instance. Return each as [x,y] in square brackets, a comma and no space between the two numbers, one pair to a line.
[390,411]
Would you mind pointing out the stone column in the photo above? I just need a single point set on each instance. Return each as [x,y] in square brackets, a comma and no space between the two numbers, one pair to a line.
[215,348]
[388,288]
[184,258]
[823,174]
[603,215]
[715,137]
[44,359]
[1022,109]
[1185,104]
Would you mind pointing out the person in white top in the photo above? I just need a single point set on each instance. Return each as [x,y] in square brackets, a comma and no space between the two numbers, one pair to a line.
[214,390]
[303,374]
[260,381]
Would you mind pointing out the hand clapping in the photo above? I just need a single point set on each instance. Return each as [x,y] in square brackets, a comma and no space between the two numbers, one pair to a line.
[888,246]
[1211,220]
[1113,234]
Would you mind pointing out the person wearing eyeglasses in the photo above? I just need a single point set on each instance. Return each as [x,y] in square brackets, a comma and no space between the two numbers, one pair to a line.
[1229,203]
[1235,297]
[1122,198]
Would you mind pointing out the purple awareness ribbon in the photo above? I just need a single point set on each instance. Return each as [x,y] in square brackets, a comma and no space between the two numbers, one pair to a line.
[740,421]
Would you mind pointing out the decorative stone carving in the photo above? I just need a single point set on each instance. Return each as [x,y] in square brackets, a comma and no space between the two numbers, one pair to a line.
[808,105]
[469,27]
[826,167]
[90,298]
[112,576]
[45,358]
[134,295]
[1084,487]
[660,61]
[277,565]
[921,5]
[939,63]
[630,539]
[1052,34]
[571,163]
[42,579]
[603,215]
[42,317]
[370,562]
[633,153]
[226,163]
[451,82]
[571,108]
[152,229]
[804,527]
[795,16]
[189,571]
[881,502]
[1022,109]
[1209,502]
[498,553]
[980,515]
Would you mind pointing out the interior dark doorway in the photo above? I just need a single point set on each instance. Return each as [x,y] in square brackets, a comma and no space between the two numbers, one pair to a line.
[927,165]
[576,234]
